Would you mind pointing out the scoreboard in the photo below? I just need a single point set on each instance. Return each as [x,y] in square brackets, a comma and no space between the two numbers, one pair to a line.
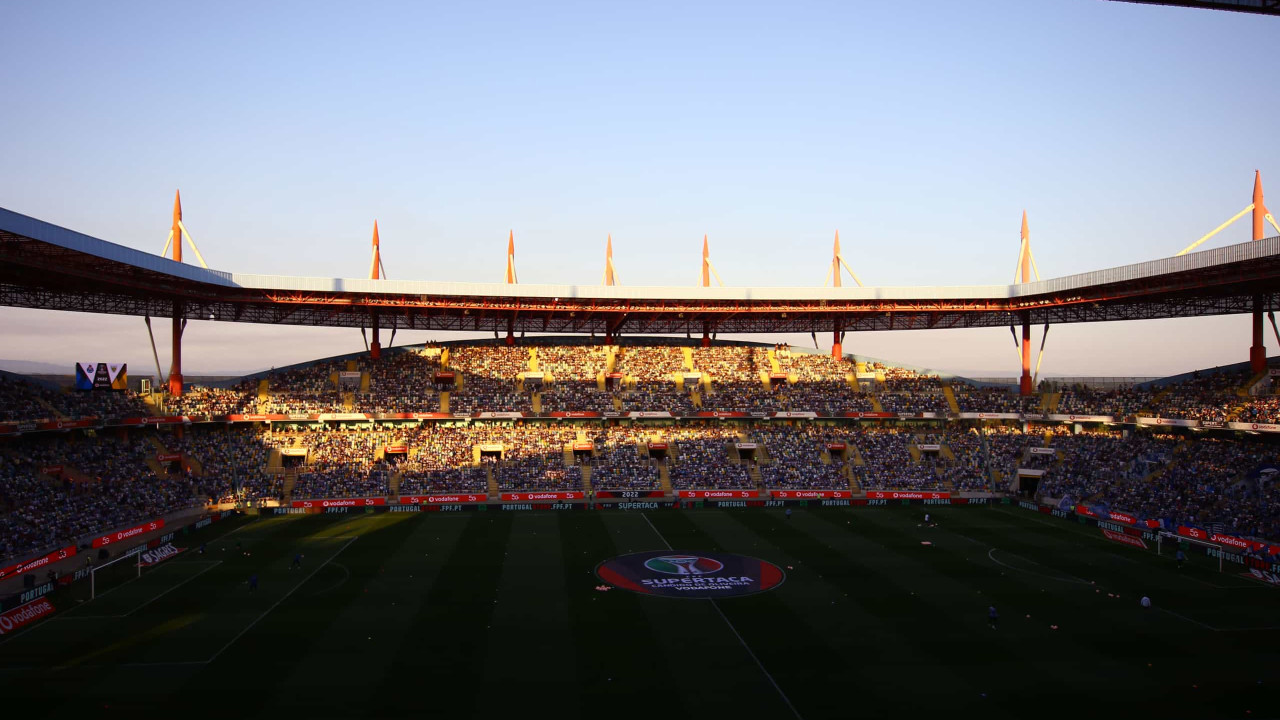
[102,376]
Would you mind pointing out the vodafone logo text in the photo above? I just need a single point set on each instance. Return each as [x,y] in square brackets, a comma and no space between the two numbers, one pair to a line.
[441,499]
[131,532]
[906,495]
[24,614]
[712,494]
[570,495]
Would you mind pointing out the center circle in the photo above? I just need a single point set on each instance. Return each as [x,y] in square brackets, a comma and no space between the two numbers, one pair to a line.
[694,575]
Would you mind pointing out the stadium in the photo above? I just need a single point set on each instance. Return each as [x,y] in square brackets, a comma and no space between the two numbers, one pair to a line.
[594,504]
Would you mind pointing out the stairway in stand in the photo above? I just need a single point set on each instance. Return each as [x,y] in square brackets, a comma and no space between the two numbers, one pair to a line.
[393,484]
[492,477]
[154,463]
[950,394]
[854,487]
[290,480]
[753,470]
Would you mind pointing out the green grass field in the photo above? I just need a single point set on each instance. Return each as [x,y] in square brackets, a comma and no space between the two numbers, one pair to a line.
[494,614]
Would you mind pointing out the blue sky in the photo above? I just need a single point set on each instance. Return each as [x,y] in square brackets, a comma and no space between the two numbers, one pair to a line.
[920,132]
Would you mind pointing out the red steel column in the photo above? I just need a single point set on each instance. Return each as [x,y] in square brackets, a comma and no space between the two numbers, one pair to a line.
[837,349]
[1024,384]
[375,347]
[706,334]
[175,368]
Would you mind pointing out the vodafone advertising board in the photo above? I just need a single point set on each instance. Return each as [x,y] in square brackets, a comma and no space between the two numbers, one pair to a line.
[340,502]
[725,494]
[117,536]
[1228,540]
[809,494]
[525,497]
[1125,539]
[906,495]
[24,615]
[442,499]
[33,563]
[1256,427]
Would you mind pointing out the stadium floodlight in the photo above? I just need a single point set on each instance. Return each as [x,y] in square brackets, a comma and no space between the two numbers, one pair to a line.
[1260,215]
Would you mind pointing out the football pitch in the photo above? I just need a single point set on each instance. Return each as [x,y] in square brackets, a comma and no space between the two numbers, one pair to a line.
[499,614]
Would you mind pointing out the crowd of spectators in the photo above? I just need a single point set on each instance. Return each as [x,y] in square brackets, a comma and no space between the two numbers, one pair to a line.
[1261,409]
[1205,485]
[402,382]
[23,400]
[341,464]
[213,401]
[796,459]
[1091,461]
[574,369]
[622,466]
[57,491]
[1207,396]
[887,461]
[992,399]
[702,459]
[1118,402]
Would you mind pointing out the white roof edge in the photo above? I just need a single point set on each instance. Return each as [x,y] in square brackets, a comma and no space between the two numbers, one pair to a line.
[25,226]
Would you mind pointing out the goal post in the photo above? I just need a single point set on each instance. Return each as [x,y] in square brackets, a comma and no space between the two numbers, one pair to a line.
[1215,547]
[134,554]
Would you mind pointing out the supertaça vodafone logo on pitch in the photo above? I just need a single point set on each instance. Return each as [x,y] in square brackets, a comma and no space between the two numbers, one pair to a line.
[699,575]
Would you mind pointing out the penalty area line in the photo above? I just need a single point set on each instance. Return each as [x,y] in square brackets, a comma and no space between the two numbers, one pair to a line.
[281,600]
[735,632]
[1068,579]
[215,564]
[1206,626]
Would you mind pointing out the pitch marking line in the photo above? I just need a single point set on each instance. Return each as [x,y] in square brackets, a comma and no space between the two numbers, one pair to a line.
[735,632]
[82,616]
[215,564]
[1069,577]
[1206,626]
[282,599]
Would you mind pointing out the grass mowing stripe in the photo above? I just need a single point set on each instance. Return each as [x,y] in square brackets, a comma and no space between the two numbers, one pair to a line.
[1198,569]
[696,642]
[529,629]
[1071,554]
[750,653]
[619,650]
[115,684]
[446,641]
[1156,635]
[1126,635]
[352,625]
[57,643]
[212,564]
[277,603]
[1020,643]
[767,626]
[904,632]
[1016,594]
